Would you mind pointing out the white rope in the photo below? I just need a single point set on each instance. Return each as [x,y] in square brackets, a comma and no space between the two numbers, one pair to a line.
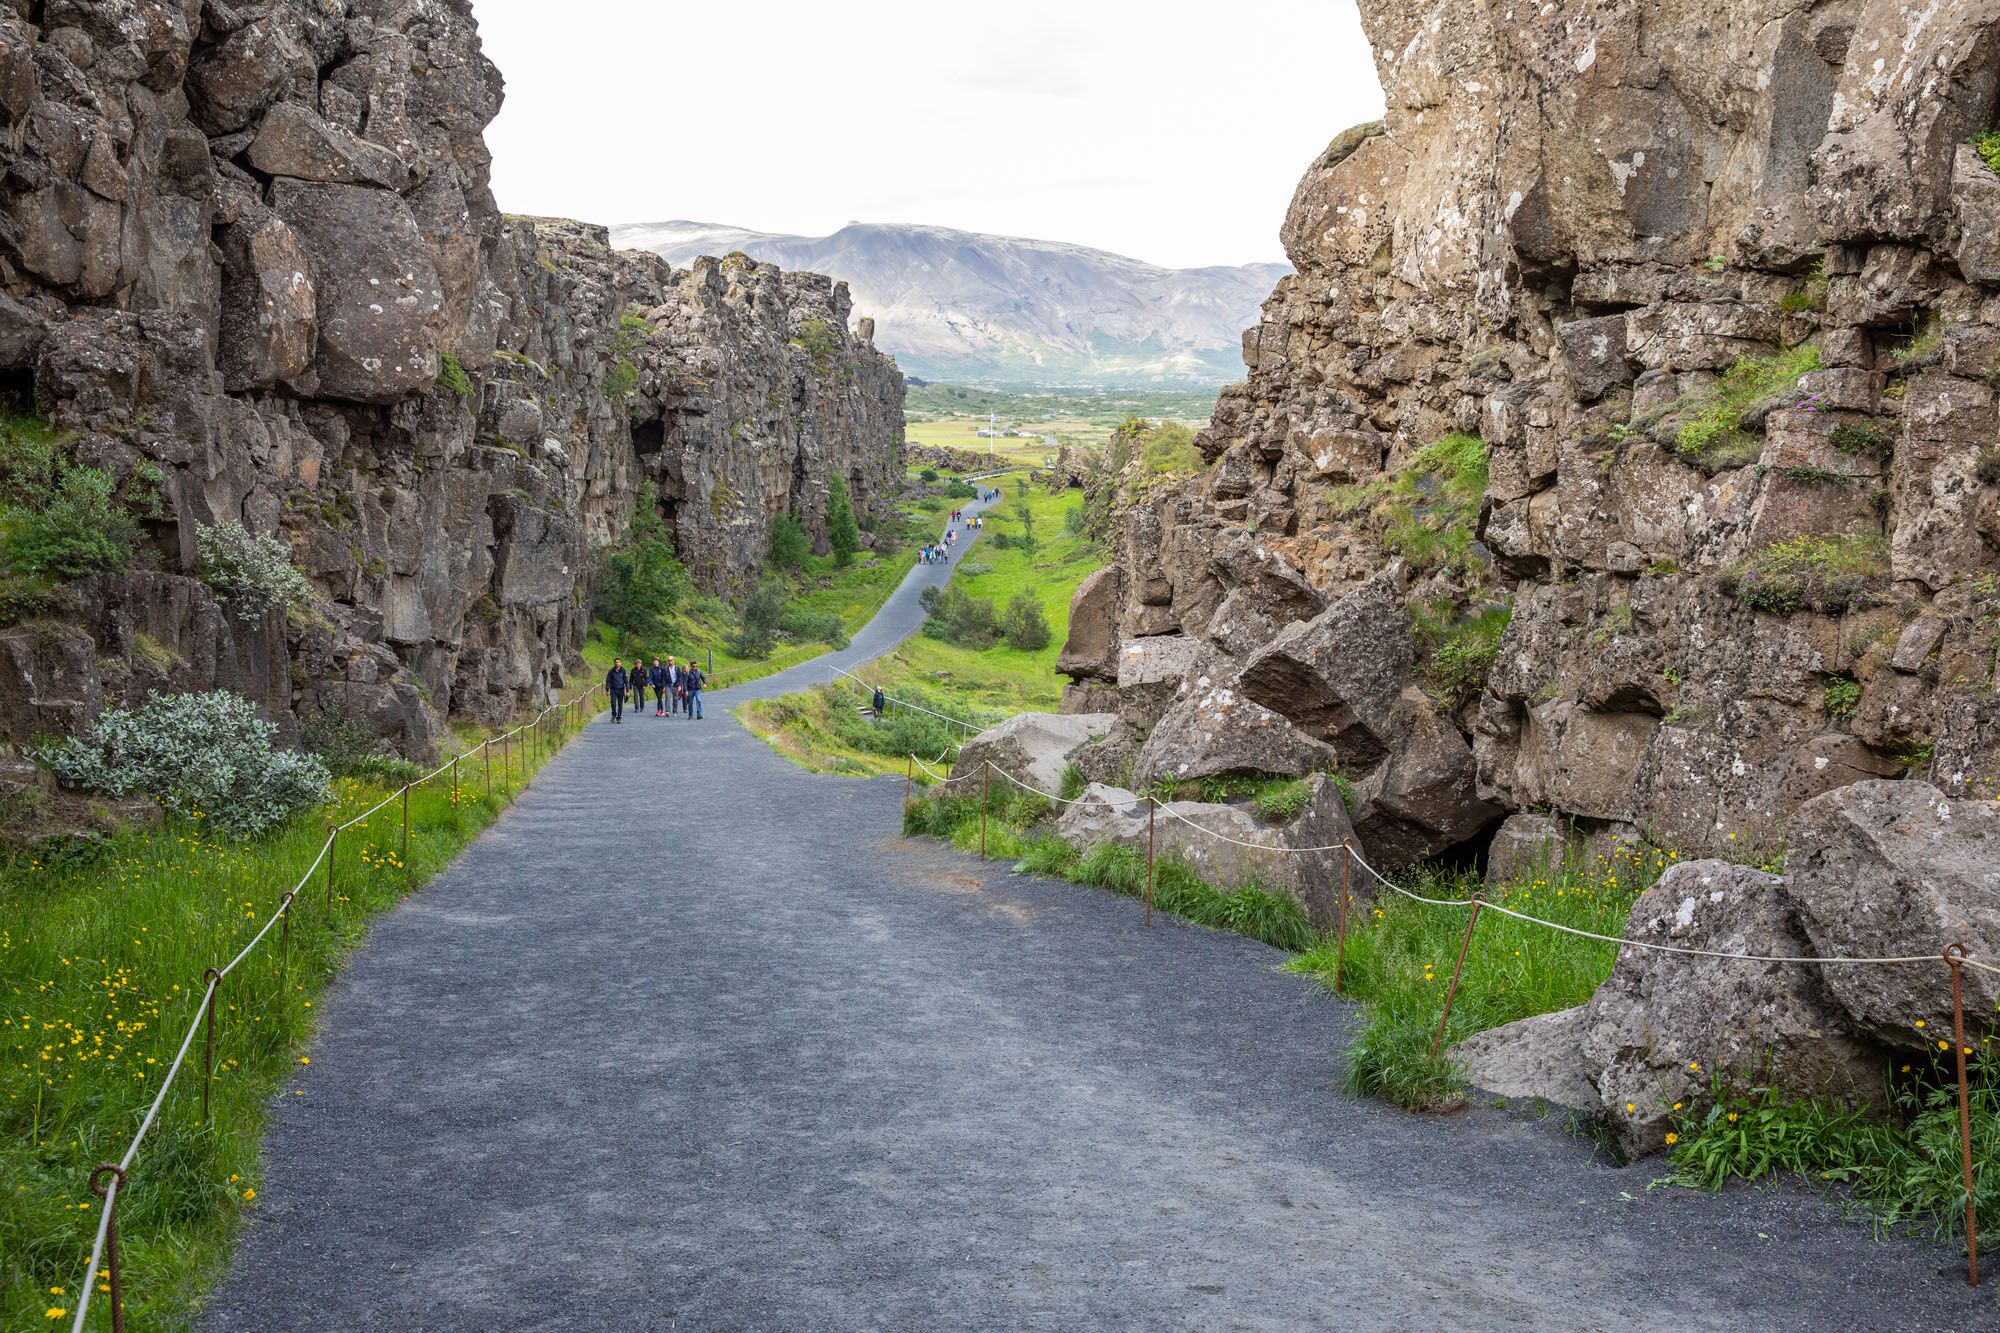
[1464,903]
[1066,800]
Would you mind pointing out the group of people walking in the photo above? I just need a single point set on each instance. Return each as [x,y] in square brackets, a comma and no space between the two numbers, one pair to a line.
[676,689]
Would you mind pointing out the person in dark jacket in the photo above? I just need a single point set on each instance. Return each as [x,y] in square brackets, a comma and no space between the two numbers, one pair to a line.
[658,676]
[691,682]
[673,687]
[615,682]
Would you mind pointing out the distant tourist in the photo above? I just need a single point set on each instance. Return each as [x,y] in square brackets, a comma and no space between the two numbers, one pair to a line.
[691,682]
[658,676]
[673,687]
[615,683]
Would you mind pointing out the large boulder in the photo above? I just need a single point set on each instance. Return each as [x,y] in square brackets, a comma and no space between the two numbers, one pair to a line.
[1338,675]
[1666,1027]
[1228,845]
[1091,650]
[1425,798]
[1151,670]
[1213,730]
[294,141]
[1536,1057]
[1897,869]
[1031,748]
[378,295]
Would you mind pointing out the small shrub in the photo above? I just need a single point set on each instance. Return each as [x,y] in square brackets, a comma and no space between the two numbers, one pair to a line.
[348,749]
[757,632]
[815,336]
[972,569]
[812,627]
[843,533]
[451,375]
[1073,783]
[789,544]
[250,571]
[81,528]
[960,490]
[1842,695]
[1987,144]
[928,475]
[205,756]
[621,381]
[1717,434]
[1170,448]
[1023,623]
[640,583]
[1871,437]
[958,617]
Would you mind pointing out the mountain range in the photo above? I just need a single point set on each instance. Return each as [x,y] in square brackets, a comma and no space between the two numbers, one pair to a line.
[968,307]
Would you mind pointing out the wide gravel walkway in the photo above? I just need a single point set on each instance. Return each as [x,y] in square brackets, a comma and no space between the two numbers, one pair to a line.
[691,1039]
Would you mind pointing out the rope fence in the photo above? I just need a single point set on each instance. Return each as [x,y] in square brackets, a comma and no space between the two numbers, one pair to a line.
[1953,955]
[566,715]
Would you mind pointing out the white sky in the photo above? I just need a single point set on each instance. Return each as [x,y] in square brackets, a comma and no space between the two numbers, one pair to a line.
[1172,131]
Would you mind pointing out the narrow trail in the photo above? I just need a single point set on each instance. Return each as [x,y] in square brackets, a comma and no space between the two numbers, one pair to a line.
[691,1039]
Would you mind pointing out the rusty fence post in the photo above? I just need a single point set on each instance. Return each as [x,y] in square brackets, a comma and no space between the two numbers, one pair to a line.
[454,792]
[114,1272]
[213,981]
[408,875]
[1954,954]
[486,763]
[1438,1037]
[332,850]
[1152,805]
[285,923]
[908,764]
[1340,911]
[985,793]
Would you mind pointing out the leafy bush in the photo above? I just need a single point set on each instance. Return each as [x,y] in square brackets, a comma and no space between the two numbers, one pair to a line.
[1871,436]
[812,627]
[928,475]
[1073,782]
[348,749]
[1987,144]
[81,528]
[960,490]
[1843,695]
[640,583]
[958,617]
[206,756]
[843,533]
[621,381]
[757,633]
[815,336]
[1280,803]
[1170,448]
[1023,623]
[251,572]
[789,544]
[1824,574]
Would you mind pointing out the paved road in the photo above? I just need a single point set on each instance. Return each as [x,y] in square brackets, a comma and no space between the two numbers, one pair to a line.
[692,1040]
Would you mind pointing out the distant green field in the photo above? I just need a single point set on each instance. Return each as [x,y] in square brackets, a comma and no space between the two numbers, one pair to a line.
[1034,425]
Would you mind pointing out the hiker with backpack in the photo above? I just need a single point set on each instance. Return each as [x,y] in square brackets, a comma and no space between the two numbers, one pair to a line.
[615,682]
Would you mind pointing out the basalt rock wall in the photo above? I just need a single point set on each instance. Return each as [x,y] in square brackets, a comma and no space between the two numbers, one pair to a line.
[1716,288]
[250,265]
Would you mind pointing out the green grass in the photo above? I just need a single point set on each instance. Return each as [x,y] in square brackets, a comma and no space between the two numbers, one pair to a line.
[1713,430]
[1428,511]
[103,949]
[982,686]
[1906,1172]
[1987,144]
[1813,573]
[1016,830]
[1399,955]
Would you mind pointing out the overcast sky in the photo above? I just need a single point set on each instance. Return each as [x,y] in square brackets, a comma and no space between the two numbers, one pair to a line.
[1173,132]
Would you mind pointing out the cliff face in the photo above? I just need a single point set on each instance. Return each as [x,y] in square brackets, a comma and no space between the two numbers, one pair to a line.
[1718,287]
[249,260]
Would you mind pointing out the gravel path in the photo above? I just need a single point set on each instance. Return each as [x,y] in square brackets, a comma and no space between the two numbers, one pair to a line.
[733,1055]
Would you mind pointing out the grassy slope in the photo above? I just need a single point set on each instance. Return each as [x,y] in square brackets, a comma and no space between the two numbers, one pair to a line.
[980,686]
[102,957]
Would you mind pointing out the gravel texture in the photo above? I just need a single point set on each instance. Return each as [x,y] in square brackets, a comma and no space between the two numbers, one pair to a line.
[692,1039]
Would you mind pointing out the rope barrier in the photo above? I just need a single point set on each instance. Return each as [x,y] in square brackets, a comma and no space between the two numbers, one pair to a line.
[904,703]
[104,1242]
[1466,903]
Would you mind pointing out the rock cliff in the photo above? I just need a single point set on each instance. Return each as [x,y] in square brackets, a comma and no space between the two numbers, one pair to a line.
[1624,447]
[250,266]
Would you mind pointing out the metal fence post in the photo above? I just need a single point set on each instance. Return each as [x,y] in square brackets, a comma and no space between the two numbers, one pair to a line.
[1953,954]
[332,850]
[408,876]
[212,980]
[1452,990]
[985,792]
[1152,806]
[486,762]
[1340,929]
[115,1273]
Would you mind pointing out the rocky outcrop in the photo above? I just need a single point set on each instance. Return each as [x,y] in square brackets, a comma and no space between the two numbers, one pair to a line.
[1668,329]
[1873,870]
[250,265]
[1031,748]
